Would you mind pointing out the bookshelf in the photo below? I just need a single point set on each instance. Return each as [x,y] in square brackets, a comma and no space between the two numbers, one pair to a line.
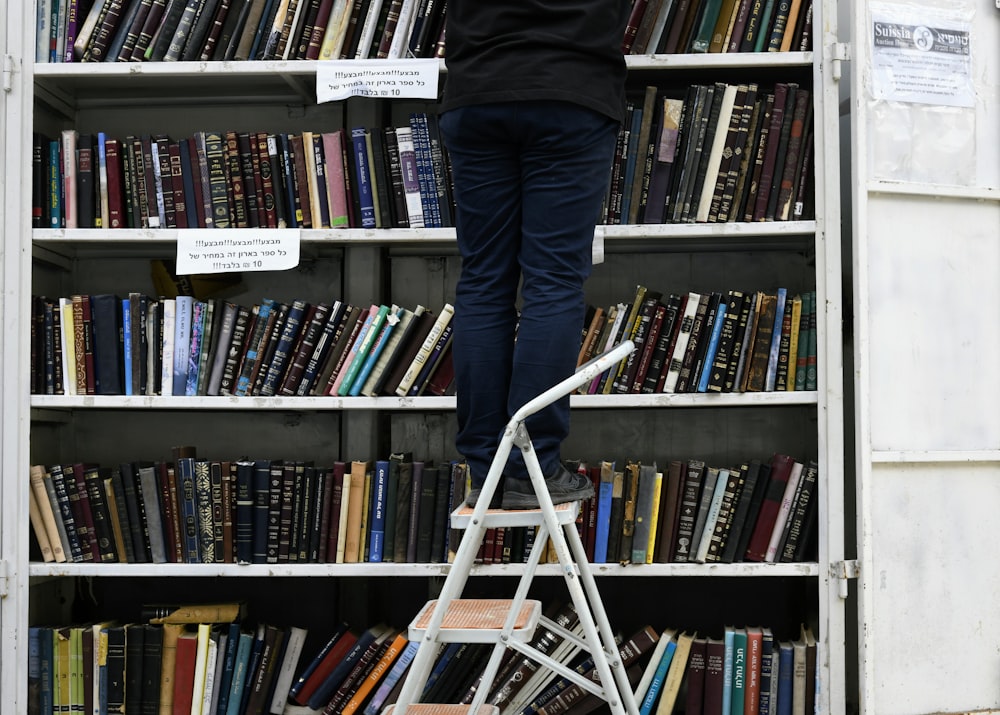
[411,266]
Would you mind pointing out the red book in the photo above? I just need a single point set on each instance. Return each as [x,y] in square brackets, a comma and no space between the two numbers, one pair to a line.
[781,467]
[696,675]
[715,660]
[322,671]
[751,702]
[187,645]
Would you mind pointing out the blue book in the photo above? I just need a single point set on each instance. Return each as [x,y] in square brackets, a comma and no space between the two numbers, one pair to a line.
[35,670]
[391,320]
[127,345]
[630,163]
[362,176]
[253,661]
[766,671]
[425,170]
[244,511]
[184,308]
[234,699]
[260,486]
[255,340]
[772,358]
[198,311]
[786,673]
[440,664]
[659,676]
[55,186]
[365,344]
[290,332]
[185,488]
[228,665]
[376,522]
[374,706]
[739,671]
[712,349]
[728,648]
[603,514]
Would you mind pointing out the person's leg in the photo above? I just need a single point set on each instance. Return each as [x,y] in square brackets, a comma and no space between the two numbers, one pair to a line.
[486,172]
[566,163]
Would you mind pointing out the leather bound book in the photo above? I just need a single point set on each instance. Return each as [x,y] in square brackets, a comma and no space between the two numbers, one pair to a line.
[781,467]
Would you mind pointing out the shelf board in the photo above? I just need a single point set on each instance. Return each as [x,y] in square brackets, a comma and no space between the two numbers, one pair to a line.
[43,570]
[423,403]
[54,245]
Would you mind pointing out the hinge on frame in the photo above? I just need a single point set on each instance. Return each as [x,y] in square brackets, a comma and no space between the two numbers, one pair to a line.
[839,52]
[8,73]
[842,571]
[3,579]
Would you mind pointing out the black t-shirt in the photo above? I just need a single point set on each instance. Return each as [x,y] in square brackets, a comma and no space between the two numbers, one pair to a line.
[513,50]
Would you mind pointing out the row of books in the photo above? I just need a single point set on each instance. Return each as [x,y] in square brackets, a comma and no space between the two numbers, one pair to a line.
[719,153]
[174,663]
[691,512]
[104,344]
[722,153]
[699,26]
[202,30]
[225,666]
[396,510]
[385,177]
[706,342]
[246,511]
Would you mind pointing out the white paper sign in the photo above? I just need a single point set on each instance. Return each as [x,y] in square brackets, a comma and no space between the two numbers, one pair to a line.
[927,61]
[391,79]
[230,250]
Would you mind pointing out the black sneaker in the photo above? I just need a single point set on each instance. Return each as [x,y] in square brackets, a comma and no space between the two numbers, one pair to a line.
[472,498]
[564,486]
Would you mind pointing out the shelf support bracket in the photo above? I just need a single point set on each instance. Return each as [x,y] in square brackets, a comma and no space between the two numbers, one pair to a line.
[8,74]
[842,571]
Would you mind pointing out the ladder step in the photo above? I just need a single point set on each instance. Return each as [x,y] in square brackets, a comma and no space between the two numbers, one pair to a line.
[461,518]
[478,620]
[440,709]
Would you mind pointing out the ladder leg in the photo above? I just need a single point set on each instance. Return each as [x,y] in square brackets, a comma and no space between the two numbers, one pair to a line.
[600,649]
[601,617]
[454,583]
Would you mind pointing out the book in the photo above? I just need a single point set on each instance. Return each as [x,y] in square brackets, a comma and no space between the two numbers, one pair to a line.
[779,473]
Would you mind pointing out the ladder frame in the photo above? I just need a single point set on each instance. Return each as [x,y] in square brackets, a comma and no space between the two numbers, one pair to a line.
[598,638]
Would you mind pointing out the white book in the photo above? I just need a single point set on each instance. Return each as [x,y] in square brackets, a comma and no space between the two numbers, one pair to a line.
[160,219]
[652,665]
[443,318]
[715,154]
[200,668]
[167,349]
[43,24]
[211,660]
[368,30]
[783,511]
[103,218]
[345,503]
[401,38]
[69,178]
[673,367]
[411,186]
[294,641]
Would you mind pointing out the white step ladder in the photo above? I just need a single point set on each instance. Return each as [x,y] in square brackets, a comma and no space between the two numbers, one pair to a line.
[510,623]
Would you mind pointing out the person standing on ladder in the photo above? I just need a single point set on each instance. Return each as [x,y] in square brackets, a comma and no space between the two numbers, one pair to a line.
[533,101]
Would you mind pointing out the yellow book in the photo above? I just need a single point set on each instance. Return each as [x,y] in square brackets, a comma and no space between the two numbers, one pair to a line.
[76,675]
[345,508]
[168,660]
[47,514]
[356,487]
[196,613]
[655,519]
[793,343]
[38,527]
[336,27]
[678,664]
[68,343]
[200,667]
[61,677]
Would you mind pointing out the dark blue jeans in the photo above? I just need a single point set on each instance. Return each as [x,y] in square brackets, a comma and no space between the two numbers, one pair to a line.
[529,178]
